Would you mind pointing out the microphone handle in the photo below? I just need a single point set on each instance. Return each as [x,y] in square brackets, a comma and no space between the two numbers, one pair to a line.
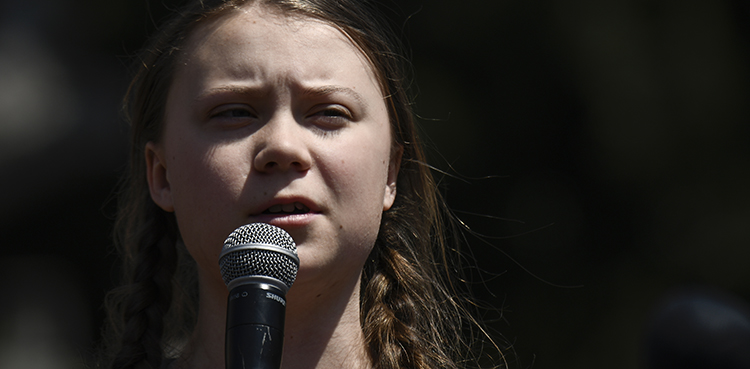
[255,327]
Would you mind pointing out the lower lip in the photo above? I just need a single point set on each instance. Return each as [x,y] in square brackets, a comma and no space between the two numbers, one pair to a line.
[286,220]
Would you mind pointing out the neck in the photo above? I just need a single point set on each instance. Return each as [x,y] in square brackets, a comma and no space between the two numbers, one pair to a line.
[322,329]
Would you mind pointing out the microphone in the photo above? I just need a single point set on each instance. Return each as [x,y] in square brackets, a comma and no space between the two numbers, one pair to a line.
[258,264]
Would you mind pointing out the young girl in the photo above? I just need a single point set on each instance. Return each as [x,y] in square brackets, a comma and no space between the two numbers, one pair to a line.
[293,113]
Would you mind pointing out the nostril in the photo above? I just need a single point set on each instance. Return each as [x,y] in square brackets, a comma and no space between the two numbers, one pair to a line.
[271,165]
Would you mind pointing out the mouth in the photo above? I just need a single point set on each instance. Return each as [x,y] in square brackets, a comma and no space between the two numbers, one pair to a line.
[289,208]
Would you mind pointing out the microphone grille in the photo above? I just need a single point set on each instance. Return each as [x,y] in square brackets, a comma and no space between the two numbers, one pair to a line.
[259,249]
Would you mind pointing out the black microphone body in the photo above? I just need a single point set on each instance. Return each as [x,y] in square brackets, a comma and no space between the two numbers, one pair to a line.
[255,327]
[258,263]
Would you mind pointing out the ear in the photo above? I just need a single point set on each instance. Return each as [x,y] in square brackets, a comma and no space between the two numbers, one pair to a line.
[390,185]
[158,181]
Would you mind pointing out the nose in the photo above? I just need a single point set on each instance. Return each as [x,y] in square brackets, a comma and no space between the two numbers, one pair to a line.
[282,146]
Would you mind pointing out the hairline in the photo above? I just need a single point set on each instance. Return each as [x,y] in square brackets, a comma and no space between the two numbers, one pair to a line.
[277,10]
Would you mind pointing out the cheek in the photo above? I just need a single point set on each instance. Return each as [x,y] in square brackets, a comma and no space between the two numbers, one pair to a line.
[205,175]
[361,172]
[206,185]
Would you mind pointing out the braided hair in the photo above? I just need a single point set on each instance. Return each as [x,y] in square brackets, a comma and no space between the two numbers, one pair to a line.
[411,313]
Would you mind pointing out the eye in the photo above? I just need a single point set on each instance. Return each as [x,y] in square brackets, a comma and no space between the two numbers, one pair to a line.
[331,112]
[331,116]
[233,112]
[236,113]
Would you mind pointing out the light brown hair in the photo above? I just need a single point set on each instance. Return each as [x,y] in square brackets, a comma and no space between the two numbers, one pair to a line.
[412,316]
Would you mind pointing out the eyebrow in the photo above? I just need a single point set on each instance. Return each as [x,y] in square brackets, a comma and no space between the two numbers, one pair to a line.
[320,91]
[233,89]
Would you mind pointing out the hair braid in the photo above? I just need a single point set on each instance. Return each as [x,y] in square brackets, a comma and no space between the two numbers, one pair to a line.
[409,319]
[143,301]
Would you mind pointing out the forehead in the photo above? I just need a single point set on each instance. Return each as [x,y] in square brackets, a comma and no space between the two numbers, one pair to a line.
[256,33]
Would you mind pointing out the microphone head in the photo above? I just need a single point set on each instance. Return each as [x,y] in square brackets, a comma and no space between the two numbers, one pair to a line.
[259,252]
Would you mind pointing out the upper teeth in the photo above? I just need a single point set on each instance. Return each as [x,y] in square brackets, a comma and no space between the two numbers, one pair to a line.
[287,208]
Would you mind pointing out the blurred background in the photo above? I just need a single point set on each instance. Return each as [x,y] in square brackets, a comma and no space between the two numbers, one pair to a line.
[601,149]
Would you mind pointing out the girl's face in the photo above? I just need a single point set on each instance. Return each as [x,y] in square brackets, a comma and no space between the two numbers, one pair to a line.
[278,120]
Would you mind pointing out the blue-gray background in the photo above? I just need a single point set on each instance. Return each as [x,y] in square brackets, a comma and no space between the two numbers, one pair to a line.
[606,143]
